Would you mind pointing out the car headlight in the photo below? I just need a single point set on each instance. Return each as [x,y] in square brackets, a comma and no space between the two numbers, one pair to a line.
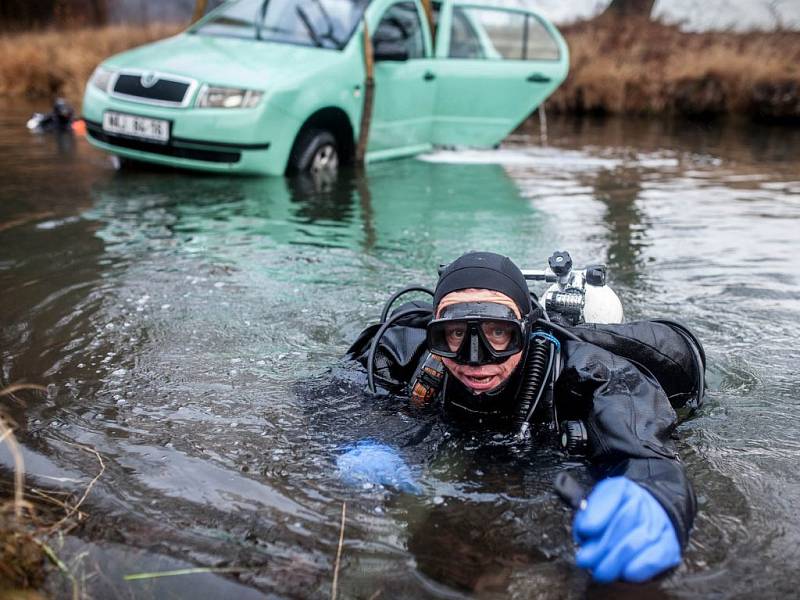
[101,78]
[225,97]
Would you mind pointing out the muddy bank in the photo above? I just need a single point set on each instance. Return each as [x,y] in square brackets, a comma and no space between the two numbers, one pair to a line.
[34,520]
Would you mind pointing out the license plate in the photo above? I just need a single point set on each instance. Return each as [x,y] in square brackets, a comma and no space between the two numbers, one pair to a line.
[135,126]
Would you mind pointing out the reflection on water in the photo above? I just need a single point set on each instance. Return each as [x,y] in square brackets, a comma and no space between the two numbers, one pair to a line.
[186,323]
[618,189]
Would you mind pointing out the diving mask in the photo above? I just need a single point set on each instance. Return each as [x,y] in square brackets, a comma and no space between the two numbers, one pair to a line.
[476,333]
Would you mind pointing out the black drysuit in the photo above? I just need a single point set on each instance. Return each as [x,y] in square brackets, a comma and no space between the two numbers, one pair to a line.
[623,381]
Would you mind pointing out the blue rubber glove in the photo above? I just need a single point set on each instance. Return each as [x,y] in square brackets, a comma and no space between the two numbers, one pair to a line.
[374,463]
[624,533]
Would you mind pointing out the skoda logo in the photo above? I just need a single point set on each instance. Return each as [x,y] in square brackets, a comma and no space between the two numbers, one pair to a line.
[149,79]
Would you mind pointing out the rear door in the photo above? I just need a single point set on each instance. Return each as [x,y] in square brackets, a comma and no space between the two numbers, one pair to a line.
[495,67]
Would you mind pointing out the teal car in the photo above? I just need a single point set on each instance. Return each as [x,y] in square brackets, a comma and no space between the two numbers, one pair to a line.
[279,86]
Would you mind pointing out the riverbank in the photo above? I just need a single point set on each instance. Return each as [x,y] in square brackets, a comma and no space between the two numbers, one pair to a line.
[617,67]
[637,66]
[33,521]
[46,64]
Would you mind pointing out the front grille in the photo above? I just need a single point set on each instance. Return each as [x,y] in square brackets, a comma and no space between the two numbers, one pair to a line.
[152,88]
[217,156]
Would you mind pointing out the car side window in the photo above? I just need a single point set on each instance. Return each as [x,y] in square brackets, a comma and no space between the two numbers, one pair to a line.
[464,40]
[500,34]
[401,27]
[540,44]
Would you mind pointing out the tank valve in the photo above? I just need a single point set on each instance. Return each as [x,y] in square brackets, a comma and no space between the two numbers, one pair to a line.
[596,275]
[574,438]
[560,263]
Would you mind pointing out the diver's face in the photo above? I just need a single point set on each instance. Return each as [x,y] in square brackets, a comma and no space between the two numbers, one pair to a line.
[480,379]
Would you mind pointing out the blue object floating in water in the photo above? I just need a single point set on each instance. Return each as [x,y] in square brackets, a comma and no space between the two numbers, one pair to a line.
[375,463]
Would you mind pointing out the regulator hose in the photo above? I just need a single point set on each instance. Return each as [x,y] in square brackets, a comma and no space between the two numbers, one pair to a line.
[396,295]
[537,366]
[557,328]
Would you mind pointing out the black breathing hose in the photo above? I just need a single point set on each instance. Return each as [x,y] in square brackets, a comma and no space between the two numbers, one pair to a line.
[376,340]
[562,330]
[537,366]
[396,295]
[542,311]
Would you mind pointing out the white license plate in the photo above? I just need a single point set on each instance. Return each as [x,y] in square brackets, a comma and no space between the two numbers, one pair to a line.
[135,126]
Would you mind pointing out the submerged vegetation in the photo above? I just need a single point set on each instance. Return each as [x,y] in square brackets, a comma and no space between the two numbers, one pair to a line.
[618,65]
[32,519]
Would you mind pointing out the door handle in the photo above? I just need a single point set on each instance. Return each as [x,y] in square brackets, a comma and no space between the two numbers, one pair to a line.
[429,76]
[538,78]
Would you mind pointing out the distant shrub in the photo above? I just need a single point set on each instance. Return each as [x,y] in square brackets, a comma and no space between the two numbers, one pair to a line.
[49,63]
[640,66]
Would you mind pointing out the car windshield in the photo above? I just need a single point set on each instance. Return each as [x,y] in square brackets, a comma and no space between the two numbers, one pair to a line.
[322,23]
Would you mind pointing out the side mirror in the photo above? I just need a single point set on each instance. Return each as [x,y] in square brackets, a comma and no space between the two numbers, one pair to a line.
[383,49]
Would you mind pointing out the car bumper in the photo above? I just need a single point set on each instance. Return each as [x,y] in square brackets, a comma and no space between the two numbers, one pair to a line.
[223,140]
[180,152]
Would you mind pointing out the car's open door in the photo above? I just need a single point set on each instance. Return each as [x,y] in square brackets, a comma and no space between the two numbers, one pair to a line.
[494,67]
[405,84]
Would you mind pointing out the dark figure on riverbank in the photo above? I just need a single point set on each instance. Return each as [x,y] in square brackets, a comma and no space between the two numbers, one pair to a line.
[486,354]
[59,119]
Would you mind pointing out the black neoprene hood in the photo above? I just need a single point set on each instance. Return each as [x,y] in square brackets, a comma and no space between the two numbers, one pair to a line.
[487,271]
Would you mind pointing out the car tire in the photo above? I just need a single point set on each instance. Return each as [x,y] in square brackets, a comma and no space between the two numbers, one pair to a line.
[316,152]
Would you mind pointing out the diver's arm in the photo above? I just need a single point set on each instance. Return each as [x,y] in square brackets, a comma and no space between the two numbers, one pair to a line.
[629,422]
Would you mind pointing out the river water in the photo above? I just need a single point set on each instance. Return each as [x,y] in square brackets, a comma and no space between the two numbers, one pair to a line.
[185,324]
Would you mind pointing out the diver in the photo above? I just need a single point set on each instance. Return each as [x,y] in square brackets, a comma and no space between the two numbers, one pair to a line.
[487,354]
[60,118]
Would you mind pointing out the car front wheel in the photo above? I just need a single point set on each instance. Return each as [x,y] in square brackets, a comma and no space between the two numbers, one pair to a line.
[315,152]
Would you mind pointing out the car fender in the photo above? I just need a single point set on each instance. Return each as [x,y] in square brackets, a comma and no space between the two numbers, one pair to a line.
[340,88]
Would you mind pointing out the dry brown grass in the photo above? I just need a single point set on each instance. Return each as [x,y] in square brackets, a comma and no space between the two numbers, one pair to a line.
[54,63]
[618,66]
[637,66]
[31,517]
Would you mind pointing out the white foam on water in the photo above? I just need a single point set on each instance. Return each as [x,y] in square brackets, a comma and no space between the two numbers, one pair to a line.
[550,158]
[53,223]
[649,162]
[532,157]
